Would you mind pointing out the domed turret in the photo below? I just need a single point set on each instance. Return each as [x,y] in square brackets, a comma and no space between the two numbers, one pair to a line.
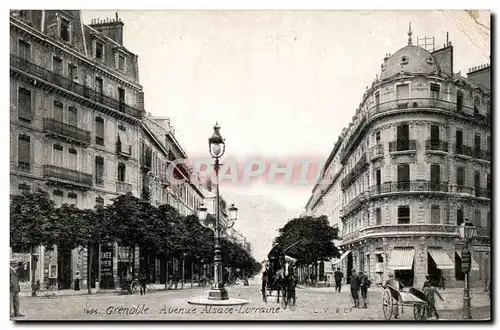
[410,59]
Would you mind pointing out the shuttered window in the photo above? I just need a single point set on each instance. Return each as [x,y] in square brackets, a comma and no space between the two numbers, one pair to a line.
[24,153]
[73,116]
[99,131]
[24,104]
[73,159]
[435,214]
[58,111]
[58,155]
[99,170]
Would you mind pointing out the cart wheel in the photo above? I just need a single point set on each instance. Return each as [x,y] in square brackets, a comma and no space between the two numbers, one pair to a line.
[387,304]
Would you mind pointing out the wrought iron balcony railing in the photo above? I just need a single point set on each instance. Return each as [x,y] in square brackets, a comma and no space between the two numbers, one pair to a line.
[355,203]
[355,172]
[463,150]
[436,145]
[427,103]
[462,189]
[56,127]
[123,187]
[70,85]
[483,192]
[402,145]
[376,151]
[71,176]
[408,186]
[481,154]
[383,230]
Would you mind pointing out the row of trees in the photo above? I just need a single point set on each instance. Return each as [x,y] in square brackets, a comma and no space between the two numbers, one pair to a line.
[308,239]
[129,221]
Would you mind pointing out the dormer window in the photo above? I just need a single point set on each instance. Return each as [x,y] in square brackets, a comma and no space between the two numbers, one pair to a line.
[98,50]
[430,60]
[65,29]
[382,67]
[404,59]
[120,62]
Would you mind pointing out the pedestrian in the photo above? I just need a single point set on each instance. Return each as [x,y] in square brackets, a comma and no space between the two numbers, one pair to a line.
[14,292]
[77,281]
[430,291]
[338,276]
[442,281]
[364,284]
[427,281]
[355,288]
[142,282]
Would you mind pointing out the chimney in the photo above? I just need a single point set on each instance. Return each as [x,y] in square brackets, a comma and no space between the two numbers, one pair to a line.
[112,28]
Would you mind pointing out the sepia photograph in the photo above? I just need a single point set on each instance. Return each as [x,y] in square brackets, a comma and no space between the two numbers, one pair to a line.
[250,165]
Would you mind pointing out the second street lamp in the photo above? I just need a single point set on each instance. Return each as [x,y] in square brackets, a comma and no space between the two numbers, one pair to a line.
[467,231]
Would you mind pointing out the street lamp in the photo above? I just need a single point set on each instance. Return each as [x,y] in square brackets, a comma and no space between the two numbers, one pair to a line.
[467,231]
[217,147]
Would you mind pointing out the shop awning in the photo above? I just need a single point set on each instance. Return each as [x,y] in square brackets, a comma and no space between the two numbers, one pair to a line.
[473,263]
[125,146]
[401,259]
[345,254]
[441,259]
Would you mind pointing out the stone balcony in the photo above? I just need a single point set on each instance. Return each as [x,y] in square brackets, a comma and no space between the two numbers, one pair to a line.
[66,131]
[123,187]
[65,176]
[436,146]
[376,152]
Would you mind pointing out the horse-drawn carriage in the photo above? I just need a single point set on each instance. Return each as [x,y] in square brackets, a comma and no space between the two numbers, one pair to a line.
[279,277]
[395,298]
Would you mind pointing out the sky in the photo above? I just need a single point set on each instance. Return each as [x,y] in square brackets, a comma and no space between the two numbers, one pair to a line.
[281,84]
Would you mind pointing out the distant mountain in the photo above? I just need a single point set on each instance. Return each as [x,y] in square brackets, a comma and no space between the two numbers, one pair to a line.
[259,219]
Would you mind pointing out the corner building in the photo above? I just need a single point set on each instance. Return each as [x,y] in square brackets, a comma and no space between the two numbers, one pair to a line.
[415,164]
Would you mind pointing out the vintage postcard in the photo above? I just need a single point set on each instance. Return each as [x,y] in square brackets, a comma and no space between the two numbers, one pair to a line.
[250,165]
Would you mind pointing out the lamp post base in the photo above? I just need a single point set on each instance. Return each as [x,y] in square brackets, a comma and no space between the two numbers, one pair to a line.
[217,296]
[467,312]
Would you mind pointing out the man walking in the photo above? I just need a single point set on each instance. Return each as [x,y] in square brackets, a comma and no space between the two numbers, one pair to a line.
[14,292]
[364,284]
[338,275]
[429,291]
[355,288]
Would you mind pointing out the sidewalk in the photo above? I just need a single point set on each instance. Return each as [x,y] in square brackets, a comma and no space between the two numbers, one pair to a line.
[82,292]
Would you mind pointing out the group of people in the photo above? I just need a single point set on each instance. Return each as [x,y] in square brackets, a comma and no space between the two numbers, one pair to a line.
[359,282]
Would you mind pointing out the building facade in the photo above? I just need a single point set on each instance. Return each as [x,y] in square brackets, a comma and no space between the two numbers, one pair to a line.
[414,164]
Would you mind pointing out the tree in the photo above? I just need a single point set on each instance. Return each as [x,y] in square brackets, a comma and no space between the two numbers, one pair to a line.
[309,239]
[30,218]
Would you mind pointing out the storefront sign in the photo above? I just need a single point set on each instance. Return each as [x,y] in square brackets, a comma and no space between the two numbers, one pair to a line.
[106,266]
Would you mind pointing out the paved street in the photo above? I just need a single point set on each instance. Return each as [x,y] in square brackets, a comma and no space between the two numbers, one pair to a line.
[312,304]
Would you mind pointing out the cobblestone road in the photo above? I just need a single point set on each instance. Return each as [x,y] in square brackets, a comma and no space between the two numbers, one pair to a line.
[312,304]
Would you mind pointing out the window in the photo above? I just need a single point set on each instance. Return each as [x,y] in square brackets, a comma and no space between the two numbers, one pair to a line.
[377,137]
[58,155]
[435,90]
[477,145]
[377,101]
[124,146]
[477,218]
[477,182]
[23,187]
[435,177]
[378,216]
[434,133]
[460,100]
[99,131]
[121,62]
[403,177]
[73,159]
[477,104]
[460,176]
[57,65]
[121,99]
[121,172]
[98,50]
[460,216]
[24,50]
[65,30]
[24,153]
[58,111]
[403,93]
[435,214]
[72,71]
[403,215]
[24,104]
[58,197]
[72,198]
[404,59]
[73,116]
[403,137]
[99,170]
[458,141]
